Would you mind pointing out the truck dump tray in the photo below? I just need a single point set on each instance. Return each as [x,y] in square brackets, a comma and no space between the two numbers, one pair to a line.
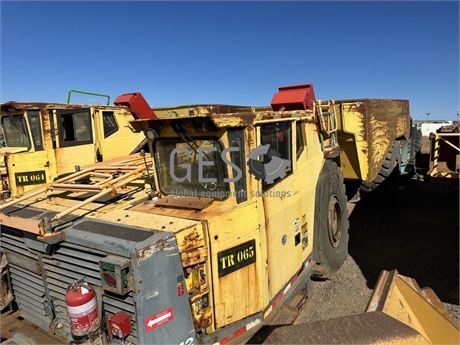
[367,129]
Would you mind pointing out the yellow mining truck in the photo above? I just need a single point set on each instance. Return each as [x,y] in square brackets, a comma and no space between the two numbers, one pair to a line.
[41,141]
[241,209]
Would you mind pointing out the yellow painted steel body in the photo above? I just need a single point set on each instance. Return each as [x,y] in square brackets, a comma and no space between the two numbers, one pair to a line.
[48,155]
[366,131]
[271,218]
[264,218]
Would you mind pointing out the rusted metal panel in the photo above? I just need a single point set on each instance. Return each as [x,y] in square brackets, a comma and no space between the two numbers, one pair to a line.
[12,106]
[191,110]
[229,120]
[236,120]
[193,257]
[367,130]
[190,238]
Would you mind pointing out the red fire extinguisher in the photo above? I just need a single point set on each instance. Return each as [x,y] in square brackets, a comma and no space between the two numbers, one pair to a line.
[82,307]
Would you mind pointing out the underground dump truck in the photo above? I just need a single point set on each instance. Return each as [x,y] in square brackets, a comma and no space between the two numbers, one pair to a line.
[204,240]
[42,141]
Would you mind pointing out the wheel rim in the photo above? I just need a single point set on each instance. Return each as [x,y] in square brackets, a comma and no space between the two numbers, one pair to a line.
[334,221]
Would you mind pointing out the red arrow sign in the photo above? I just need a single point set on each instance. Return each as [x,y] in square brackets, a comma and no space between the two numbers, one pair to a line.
[159,319]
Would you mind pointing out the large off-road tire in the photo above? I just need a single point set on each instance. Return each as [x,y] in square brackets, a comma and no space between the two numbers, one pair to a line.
[331,222]
[391,162]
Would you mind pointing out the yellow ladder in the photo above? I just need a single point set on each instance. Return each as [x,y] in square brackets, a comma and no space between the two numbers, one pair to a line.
[327,120]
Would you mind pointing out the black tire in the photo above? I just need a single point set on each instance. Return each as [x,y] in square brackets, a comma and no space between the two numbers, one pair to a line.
[391,161]
[331,222]
[416,143]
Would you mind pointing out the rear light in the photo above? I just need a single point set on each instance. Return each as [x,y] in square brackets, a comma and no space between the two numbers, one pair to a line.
[115,274]
[109,279]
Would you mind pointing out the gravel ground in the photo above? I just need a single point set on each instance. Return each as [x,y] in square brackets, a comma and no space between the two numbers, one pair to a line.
[346,294]
[414,230]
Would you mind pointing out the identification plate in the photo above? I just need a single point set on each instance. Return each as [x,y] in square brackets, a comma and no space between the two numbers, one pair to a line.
[233,259]
[30,178]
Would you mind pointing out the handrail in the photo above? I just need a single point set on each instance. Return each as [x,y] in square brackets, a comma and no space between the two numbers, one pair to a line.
[87,93]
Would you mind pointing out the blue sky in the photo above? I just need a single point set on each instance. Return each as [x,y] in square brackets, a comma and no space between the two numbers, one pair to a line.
[237,53]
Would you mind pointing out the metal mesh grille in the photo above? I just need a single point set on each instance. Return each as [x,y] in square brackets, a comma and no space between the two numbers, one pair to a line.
[27,285]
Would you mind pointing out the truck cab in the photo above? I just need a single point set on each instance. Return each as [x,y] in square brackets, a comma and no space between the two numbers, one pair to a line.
[41,141]
[258,211]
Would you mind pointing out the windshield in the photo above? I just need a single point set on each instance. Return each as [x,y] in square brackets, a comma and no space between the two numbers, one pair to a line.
[191,169]
[15,131]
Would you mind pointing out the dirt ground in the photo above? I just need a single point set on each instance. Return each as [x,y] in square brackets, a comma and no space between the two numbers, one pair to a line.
[414,230]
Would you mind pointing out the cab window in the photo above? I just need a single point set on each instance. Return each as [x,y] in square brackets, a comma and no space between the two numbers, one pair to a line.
[35,128]
[279,137]
[180,171]
[74,127]
[110,125]
[15,131]
[53,130]
[300,140]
